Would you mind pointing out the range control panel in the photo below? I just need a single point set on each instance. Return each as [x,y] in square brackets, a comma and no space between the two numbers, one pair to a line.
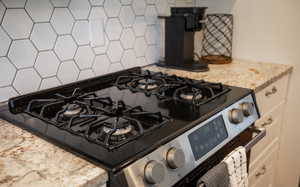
[171,162]
[207,137]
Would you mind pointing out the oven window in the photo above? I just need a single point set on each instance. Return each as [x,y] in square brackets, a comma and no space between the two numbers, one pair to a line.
[207,137]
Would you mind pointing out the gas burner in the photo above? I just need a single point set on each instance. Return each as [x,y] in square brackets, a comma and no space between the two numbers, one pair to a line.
[198,92]
[190,96]
[72,110]
[147,84]
[120,131]
[121,123]
[193,95]
[60,109]
[124,130]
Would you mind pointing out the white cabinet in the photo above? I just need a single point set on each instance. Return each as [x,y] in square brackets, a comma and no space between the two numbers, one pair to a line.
[264,156]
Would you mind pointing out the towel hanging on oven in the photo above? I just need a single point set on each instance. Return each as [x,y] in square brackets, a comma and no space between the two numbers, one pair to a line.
[216,177]
[236,163]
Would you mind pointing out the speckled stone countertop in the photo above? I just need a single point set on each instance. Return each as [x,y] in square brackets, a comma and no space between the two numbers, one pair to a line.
[26,160]
[253,75]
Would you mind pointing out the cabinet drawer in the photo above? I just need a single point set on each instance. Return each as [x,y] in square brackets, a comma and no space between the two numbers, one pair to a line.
[272,122]
[272,95]
[262,173]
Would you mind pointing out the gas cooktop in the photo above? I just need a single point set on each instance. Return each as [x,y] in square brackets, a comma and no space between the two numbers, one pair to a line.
[115,119]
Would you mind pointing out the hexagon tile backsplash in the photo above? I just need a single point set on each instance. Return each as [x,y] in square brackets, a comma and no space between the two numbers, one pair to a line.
[46,43]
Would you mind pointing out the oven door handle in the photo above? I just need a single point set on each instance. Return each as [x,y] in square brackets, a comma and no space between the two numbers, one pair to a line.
[261,133]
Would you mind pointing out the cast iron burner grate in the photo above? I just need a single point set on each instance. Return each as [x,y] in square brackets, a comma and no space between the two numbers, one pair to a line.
[100,120]
[147,82]
[170,87]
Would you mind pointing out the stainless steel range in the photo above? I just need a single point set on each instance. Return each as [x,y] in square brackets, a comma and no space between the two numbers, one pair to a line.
[144,128]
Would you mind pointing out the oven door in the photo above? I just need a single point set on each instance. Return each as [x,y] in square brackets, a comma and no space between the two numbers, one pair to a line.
[248,139]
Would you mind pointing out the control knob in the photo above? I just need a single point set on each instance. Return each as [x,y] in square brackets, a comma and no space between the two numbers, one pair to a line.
[154,172]
[236,116]
[247,108]
[175,158]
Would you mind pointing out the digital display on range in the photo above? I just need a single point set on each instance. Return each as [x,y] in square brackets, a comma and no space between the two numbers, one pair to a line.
[207,137]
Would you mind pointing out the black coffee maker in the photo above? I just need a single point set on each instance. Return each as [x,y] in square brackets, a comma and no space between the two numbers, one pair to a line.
[180,29]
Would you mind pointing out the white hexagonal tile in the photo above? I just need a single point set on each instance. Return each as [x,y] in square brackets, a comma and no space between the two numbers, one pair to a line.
[22,53]
[39,11]
[98,13]
[96,2]
[173,2]
[151,2]
[151,35]
[102,49]
[152,54]
[27,80]
[129,60]
[141,61]
[62,20]
[126,2]
[80,8]
[81,32]
[163,7]
[140,47]
[65,47]
[115,51]
[112,7]
[139,7]
[6,93]
[14,3]
[139,26]
[2,10]
[127,38]
[17,23]
[84,57]
[115,67]
[5,42]
[86,74]
[68,72]
[7,71]
[43,36]
[151,15]
[60,3]
[47,64]
[49,83]
[101,64]
[127,16]
[113,29]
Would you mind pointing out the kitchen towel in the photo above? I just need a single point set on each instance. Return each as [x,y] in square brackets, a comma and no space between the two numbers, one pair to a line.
[236,163]
[216,177]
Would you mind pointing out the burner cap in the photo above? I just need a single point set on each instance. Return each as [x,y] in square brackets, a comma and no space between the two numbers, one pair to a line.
[190,96]
[72,110]
[148,84]
[119,131]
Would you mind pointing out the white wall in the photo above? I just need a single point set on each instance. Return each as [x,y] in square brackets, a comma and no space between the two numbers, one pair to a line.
[269,31]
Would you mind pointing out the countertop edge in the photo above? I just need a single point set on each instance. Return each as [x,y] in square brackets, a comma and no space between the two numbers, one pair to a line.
[274,79]
[245,66]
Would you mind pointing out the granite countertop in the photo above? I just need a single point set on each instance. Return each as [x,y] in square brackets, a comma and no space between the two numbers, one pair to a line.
[26,160]
[253,75]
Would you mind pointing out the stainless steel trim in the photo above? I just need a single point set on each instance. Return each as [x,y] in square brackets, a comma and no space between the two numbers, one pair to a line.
[261,133]
[135,172]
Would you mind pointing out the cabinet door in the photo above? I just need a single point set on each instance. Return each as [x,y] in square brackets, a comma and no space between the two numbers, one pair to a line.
[272,122]
[272,95]
[262,173]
